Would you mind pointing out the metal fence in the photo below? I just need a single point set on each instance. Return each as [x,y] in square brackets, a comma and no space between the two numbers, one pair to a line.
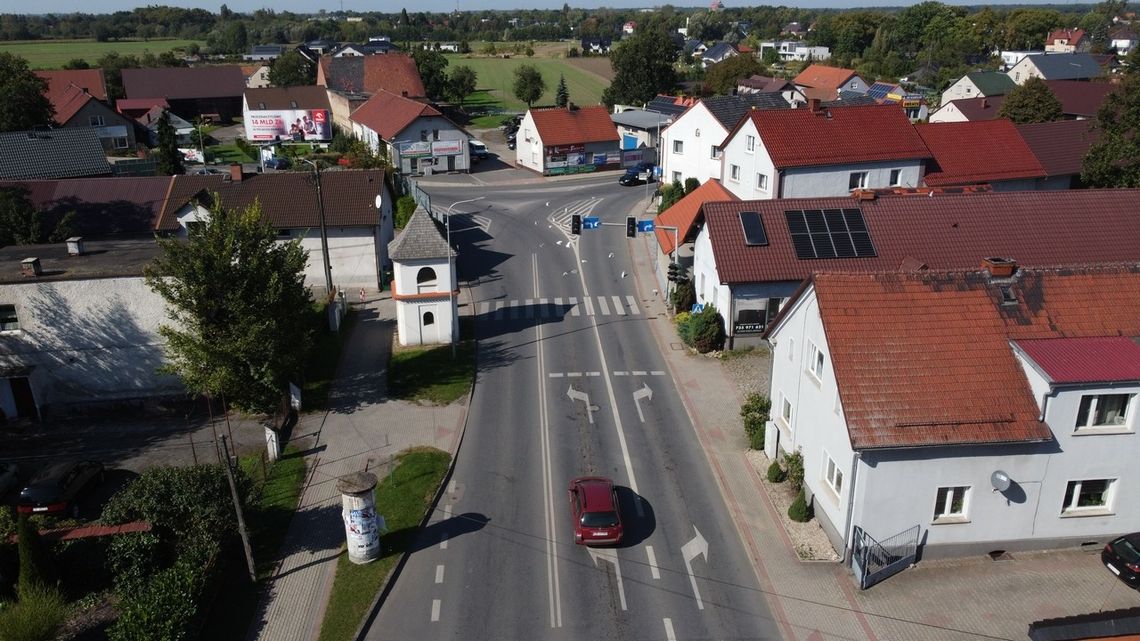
[872,561]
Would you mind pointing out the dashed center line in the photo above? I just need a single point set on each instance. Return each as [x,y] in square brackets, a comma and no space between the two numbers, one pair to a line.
[572,374]
[439,574]
[435,603]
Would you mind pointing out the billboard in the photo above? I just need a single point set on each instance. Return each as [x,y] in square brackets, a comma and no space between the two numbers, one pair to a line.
[288,124]
[414,149]
[447,148]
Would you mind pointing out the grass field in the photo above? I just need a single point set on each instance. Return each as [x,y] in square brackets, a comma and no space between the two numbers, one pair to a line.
[52,54]
[495,77]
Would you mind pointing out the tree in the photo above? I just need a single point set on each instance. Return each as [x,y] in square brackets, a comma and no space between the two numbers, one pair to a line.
[236,38]
[432,66]
[461,84]
[19,224]
[562,94]
[643,68]
[24,105]
[169,158]
[1114,161]
[76,63]
[723,77]
[291,69]
[529,85]
[237,301]
[1031,102]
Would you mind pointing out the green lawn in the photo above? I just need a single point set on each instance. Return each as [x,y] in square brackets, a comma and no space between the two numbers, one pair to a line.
[495,76]
[52,54]
[432,374]
[402,498]
[227,153]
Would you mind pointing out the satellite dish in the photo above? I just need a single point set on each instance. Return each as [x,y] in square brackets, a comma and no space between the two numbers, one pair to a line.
[379,200]
[1000,481]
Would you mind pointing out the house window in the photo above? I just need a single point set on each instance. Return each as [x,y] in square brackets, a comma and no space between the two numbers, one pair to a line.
[95,121]
[967,91]
[762,182]
[1103,410]
[834,475]
[435,134]
[9,322]
[678,146]
[1092,494]
[950,503]
[429,319]
[734,173]
[857,180]
[425,275]
[896,176]
[791,349]
[261,106]
[714,153]
[120,142]
[423,135]
[815,361]
[676,176]
[750,144]
[786,411]
[292,104]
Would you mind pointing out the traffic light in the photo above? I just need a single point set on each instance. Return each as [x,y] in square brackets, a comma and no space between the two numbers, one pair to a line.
[631,226]
[675,273]
[576,224]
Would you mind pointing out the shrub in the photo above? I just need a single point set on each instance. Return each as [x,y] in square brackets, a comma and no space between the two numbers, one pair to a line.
[794,464]
[691,185]
[707,330]
[166,608]
[37,616]
[35,571]
[684,324]
[683,295]
[755,414]
[776,474]
[405,207]
[800,511]
[572,53]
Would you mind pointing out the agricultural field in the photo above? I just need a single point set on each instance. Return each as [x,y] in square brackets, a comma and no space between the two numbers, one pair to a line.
[53,54]
[495,76]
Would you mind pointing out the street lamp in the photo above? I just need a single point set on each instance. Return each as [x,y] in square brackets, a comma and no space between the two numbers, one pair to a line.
[324,231]
[451,269]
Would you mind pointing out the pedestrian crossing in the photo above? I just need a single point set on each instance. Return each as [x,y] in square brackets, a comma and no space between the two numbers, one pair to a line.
[558,307]
[561,218]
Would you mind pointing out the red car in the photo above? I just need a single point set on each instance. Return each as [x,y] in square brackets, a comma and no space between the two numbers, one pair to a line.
[594,508]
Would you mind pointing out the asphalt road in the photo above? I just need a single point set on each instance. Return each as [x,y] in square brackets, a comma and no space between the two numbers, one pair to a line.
[570,383]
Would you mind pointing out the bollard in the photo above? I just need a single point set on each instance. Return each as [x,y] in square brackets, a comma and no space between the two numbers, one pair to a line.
[362,526]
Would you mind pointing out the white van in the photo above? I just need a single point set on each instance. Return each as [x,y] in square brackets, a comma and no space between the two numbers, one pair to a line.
[478,150]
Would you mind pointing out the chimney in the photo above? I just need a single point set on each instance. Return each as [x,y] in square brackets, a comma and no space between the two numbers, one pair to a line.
[75,246]
[985,105]
[235,172]
[813,105]
[30,267]
[999,267]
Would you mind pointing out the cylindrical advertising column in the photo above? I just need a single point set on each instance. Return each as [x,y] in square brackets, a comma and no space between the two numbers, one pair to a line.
[362,526]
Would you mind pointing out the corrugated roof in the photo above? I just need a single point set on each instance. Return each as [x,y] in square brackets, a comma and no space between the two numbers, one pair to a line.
[684,213]
[1060,146]
[728,110]
[943,231]
[641,119]
[302,97]
[174,83]
[422,238]
[394,72]
[977,152]
[559,126]
[57,153]
[1066,66]
[1094,359]
[388,114]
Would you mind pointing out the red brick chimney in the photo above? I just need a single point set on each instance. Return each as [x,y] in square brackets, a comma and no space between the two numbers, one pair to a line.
[813,105]
[235,172]
[999,267]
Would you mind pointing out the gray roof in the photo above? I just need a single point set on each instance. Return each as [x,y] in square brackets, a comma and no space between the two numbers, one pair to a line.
[665,105]
[101,259]
[718,51]
[850,99]
[728,110]
[422,238]
[641,119]
[52,153]
[1066,66]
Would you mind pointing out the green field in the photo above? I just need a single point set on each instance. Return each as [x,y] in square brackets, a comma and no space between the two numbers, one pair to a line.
[53,54]
[495,76]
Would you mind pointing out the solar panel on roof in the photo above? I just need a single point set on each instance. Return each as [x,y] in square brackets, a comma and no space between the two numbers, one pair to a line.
[829,233]
[879,90]
[754,233]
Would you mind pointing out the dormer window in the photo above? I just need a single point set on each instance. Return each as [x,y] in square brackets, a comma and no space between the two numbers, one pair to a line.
[1104,410]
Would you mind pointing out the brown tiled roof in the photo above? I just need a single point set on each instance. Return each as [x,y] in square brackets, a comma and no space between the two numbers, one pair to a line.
[559,126]
[1060,146]
[974,109]
[68,90]
[683,214]
[303,97]
[184,82]
[102,206]
[395,72]
[824,77]
[977,152]
[388,114]
[943,231]
[924,358]
[1079,97]
[288,199]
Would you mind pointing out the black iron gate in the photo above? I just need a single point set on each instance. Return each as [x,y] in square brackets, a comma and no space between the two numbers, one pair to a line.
[872,561]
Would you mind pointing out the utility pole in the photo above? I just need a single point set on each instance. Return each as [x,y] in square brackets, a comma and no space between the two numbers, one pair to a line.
[454,278]
[324,230]
[240,513]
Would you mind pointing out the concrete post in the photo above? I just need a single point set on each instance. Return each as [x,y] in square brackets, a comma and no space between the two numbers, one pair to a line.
[362,526]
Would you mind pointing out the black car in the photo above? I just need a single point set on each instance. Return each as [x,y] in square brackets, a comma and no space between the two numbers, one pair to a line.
[1122,557]
[633,175]
[277,162]
[56,489]
[511,144]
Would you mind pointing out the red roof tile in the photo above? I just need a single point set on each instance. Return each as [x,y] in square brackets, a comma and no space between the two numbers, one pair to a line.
[824,77]
[1098,359]
[301,97]
[574,126]
[944,231]
[835,136]
[1080,97]
[395,72]
[977,152]
[1060,146]
[184,82]
[924,358]
[388,114]
[973,109]
[1072,36]
[103,206]
[683,214]
[68,90]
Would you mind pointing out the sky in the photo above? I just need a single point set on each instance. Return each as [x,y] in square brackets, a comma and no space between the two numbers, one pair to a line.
[312,6]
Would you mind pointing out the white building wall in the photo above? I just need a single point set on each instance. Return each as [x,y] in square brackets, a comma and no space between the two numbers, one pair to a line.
[427,126]
[528,148]
[434,298]
[745,185]
[962,88]
[948,112]
[834,180]
[706,281]
[699,133]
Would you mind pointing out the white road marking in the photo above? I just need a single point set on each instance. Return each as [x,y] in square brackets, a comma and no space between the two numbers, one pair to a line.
[669,634]
[514,308]
[573,374]
[689,551]
[656,372]
[603,305]
[443,541]
[644,392]
[484,307]
[576,310]
[618,307]
[621,373]
[499,309]
[589,306]
[435,610]
[639,372]
[611,556]
[530,308]
[557,304]
[446,512]
[552,585]
[656,573]
[632,305]
[593,373]
[555,375]
[439,574]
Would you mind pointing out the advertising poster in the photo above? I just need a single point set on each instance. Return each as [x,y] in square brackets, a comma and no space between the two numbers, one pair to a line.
[447,148]
[415,149]
[288,124]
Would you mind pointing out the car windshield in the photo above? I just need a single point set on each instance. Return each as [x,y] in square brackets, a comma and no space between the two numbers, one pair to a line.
[1126,550]
[600,519]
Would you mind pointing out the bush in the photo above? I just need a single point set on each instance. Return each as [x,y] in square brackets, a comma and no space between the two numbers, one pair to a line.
[755,414]
[683,295]
[776,474]
[794,464]
[684,323]
[800,511]
[405,207]
[35,571]
[691,185]
[37,616]
[572,53]
[707,330]
[166,608]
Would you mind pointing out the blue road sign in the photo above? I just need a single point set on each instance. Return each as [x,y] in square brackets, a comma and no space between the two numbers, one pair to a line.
[697,308]
[645,225]
[591,222]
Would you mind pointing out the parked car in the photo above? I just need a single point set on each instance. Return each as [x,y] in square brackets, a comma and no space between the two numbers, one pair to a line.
[633,175]
[1122,557]
[511,144]
[57,488]
[594,508]
[478,150]
[9,478]
[204,171]
[277,162]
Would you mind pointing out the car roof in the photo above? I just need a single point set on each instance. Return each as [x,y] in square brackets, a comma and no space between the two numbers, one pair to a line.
[53,471]
[596,493]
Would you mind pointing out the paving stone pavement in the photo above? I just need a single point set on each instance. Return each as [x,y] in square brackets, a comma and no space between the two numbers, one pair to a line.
[362,430]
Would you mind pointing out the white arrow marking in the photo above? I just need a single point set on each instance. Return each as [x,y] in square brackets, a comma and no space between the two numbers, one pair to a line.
[611,556]
[691,550]
[644,392]
[575,395]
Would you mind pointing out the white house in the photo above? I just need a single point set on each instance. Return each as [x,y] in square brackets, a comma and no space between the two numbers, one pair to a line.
[1122,40]
[1012,57]
[415,136]
[1055,66]
[978,84]
[425,286]
[719,52]
[795,50]
[1014,430]
[821,151]
[568,141]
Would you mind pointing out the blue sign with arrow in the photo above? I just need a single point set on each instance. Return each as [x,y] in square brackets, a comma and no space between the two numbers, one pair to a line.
[645,225]
[591,222]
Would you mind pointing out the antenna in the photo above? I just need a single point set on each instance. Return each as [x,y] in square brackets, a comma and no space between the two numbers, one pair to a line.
[1000,481]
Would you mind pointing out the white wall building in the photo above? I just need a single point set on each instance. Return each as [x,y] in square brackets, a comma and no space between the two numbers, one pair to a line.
[978,84]
[425,287]
[416,137]
[568,141]
[795,50]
